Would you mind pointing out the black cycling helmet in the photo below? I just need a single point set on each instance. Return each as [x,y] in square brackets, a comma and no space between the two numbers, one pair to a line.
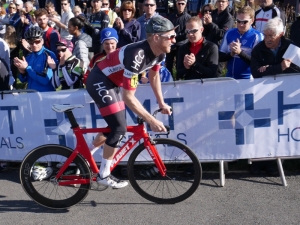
[34,33]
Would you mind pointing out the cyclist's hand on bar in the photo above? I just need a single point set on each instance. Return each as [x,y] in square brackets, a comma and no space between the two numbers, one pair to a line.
[157,126]
[166,109]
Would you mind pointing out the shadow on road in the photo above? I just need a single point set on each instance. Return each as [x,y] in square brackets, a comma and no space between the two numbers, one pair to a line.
[25,206]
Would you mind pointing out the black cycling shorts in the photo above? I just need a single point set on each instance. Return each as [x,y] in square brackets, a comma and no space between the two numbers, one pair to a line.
[108,98]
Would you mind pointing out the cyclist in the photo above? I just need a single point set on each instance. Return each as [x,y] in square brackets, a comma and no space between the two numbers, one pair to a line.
[120,69]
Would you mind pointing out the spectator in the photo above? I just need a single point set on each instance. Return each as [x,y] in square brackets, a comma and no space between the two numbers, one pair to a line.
[51,36]
[179,20]
[68,74]
[77,11]
[206,9]
[111,14]
[12,9]
[15,20]
[128,28]
[149,7]
[218,22]
[52,13]
[268,11]
[266,57]
[295,31]
[14,45]
[82,41]
[2,25]
[35,69]
[198,58]
[6,78]
[238,43]
[99,21]
[25,16]
[65,17]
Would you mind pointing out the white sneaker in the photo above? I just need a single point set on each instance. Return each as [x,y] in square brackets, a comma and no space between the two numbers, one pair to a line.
[111,181]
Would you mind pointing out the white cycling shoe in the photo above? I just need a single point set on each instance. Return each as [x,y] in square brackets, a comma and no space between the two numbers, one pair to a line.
[111,181]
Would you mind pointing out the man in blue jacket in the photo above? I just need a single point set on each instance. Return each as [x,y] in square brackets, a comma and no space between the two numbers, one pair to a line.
[35,69]
[238,43]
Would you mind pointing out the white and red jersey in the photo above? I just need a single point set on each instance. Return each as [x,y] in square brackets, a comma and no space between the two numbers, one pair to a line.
[123,65]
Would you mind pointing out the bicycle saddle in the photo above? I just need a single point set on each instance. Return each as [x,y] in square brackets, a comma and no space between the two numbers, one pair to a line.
[63,108]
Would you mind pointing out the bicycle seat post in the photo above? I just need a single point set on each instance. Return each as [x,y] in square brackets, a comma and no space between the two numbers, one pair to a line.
[72,119]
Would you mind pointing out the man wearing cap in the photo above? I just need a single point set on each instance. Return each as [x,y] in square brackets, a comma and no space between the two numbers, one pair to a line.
[99,20]
[178,19]
[68,74]
[120,69]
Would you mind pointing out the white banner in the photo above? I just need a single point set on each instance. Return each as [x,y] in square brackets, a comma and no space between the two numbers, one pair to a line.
[217,119]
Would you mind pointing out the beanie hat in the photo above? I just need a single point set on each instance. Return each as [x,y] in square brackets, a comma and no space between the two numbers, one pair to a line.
[109,33]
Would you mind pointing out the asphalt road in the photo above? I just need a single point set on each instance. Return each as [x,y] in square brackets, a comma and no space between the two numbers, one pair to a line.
[243,200]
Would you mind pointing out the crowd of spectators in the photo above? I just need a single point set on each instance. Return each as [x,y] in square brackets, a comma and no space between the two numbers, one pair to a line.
[49,46]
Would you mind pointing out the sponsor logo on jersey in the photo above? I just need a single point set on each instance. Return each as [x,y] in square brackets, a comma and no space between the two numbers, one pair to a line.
[138,59]
[134,80]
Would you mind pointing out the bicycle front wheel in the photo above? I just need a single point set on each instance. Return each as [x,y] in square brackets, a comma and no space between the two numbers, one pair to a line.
[37,176]
[183,172]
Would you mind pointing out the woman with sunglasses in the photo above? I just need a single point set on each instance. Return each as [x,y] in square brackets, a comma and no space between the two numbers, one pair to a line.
[12,9]
[206,9]
[68,74]
[128,28]
[35,68]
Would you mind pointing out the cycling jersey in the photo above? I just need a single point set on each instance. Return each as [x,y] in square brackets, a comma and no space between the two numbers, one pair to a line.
[69,75]
[116,70]
[123,71]
[237,67]
[264,14]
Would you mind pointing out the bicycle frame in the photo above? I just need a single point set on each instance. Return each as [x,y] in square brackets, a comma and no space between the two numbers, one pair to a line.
[139,133]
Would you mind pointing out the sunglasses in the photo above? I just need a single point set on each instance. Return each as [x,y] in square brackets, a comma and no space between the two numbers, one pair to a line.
[64,3]
[180,3]
[169,36]
[17,4]
[129,10]
[37,41]
[104,3]
[147,5]
[192,31]
[61,50]
[206,11]
[12,7]
[242,21]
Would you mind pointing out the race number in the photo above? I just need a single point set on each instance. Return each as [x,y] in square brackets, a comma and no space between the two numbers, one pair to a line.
[134,81]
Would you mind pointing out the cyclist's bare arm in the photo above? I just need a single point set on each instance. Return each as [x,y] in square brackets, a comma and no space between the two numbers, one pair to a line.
[134,104]
[154,79]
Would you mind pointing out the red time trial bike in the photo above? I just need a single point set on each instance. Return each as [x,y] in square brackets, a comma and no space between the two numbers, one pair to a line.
[161,170]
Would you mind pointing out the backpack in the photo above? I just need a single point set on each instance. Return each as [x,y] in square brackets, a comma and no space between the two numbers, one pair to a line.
[47,37]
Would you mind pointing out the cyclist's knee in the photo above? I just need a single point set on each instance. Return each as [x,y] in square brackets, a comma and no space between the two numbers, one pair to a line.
[114,139]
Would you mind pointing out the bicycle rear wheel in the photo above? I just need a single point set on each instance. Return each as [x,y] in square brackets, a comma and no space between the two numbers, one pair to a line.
[37,176]
[183,174]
